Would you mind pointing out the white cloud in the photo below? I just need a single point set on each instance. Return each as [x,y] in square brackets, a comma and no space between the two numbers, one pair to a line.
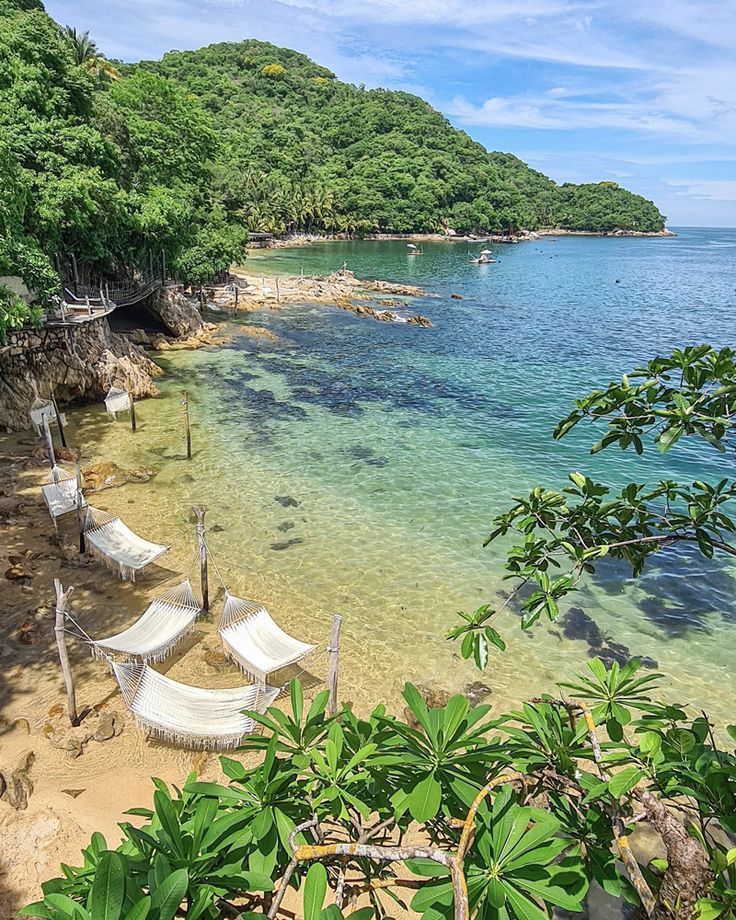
[710,189]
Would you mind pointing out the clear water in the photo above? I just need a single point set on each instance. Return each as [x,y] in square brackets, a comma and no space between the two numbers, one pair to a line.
[400,444]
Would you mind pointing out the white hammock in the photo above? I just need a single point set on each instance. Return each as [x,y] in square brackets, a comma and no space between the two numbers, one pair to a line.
[254,642]
[110,540]
[190,716]
[163,625]
[116,401]
[60,493]
[41,409]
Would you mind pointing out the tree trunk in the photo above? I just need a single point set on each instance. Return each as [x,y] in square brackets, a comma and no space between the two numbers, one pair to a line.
[687,872]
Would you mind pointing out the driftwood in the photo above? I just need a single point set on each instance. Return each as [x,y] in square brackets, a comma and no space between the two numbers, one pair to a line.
[199,512]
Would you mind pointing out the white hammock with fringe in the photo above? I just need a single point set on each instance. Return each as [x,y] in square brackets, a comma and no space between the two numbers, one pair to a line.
[60,492]
[116,401]
[164,624]
[254,642]
[110,540]
[190,716]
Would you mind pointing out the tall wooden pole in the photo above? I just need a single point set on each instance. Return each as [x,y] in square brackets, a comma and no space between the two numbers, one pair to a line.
[75,275]
[333,653]
[62,598]
[62,433]
[199,512]
[49,445]
[131,405]
[187,431]
[80,506]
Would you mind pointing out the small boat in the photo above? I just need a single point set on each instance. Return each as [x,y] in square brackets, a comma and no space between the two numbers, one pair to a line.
[484,258]
[414,250]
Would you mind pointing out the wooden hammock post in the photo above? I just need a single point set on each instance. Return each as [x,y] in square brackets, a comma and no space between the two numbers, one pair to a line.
[187,432]
[199,512]
[80,506]
[62,433]
[62,598]
[131,406]
[49,443]
[333,653]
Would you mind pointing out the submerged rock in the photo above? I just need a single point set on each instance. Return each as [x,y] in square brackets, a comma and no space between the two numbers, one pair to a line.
[287,543]
[110,475]
[287,501]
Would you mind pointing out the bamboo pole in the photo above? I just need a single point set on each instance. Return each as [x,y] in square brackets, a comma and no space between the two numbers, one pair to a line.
[131,406]
[62,598]
[80,506]
[49,446]
[333,653]
[187,430]
[60,423]
[199,513]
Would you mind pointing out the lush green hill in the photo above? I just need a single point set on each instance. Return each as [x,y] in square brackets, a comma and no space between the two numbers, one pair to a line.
[299,149]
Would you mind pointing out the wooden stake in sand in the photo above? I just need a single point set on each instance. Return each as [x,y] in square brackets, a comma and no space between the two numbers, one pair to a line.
[333,654]
[131,404]
[59,420]
[199,512]
[62,598]
[50,447]
[187,432]
[80,507]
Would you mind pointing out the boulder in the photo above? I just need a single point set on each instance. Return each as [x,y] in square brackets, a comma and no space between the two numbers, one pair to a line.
[110,475]
[178,314]
[16,785]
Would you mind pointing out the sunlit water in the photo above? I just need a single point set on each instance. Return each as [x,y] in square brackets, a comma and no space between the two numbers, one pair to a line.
[355,466]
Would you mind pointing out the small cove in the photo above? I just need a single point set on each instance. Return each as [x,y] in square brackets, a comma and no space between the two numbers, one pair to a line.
[355,466]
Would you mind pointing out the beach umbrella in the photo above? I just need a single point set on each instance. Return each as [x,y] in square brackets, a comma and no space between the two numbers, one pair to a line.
[486,252]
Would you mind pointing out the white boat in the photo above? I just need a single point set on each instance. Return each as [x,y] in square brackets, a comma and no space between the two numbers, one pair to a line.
[414,250]
[485,257]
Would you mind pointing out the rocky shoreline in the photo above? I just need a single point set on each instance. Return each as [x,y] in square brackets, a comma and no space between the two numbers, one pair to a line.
[81,361]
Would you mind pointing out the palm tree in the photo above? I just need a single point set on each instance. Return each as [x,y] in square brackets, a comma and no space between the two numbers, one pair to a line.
[87,54]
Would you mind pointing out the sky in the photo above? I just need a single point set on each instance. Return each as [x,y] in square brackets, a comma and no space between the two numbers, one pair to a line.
[641,93]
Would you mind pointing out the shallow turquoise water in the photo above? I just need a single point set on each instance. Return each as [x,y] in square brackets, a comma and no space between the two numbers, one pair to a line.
[400,443]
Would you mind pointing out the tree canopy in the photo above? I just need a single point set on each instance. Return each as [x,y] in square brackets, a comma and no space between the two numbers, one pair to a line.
[302,150]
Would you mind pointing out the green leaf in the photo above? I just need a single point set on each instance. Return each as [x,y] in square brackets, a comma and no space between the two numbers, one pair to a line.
[315,889]
[108,888]
[297,699]
[169,894]
[622,782]
[731,729]
[427,868]
[424,799]
[140,909]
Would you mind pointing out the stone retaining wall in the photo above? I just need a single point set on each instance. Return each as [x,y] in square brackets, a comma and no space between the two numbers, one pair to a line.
[79,361]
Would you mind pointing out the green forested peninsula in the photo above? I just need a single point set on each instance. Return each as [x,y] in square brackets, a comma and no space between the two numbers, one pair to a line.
[300,149]
[189,153]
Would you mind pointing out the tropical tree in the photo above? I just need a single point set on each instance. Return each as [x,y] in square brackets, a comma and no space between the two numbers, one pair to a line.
[87,54]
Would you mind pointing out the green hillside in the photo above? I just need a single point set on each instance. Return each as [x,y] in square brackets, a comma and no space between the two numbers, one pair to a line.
[187,154]
[299,149]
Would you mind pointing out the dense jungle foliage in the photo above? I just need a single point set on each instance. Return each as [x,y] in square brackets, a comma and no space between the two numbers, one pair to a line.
[189,153]
[301,150]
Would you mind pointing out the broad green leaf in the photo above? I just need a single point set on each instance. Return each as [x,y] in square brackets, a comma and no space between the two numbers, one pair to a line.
[424,799]
[140,910]
[315,889]
[169,894]
[622,782]
[108,888]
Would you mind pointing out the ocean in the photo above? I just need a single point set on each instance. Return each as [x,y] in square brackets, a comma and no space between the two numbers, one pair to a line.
[354,466]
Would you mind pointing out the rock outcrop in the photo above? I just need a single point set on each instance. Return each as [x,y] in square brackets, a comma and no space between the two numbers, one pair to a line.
[82,360]
[175,311]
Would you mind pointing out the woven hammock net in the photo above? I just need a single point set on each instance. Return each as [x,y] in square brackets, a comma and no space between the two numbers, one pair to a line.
[112,542]
[254,642]
[164,624]
[60,492]
[190,716]
[116,401]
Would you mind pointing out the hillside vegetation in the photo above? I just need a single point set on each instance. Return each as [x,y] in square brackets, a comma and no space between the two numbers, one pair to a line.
[187,154]
[301,149]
